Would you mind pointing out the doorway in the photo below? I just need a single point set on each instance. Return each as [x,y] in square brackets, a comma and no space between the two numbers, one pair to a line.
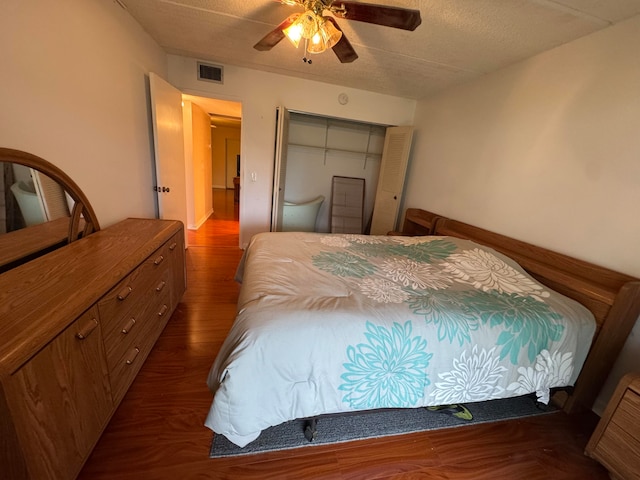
[183,149]
[224,125]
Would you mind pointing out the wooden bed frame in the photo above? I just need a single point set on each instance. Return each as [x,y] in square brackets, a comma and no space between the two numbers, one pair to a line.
[612,297]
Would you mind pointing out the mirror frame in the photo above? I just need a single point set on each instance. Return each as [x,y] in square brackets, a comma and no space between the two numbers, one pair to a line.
[82,209]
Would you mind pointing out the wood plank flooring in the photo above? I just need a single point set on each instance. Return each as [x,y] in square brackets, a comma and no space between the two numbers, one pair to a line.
[157,432]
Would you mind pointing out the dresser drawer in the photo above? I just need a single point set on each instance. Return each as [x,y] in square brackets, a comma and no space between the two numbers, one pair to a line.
[176,256]
[616,441]
[124,301]
[627,415]
[129,354]
[134,313]
[136,323]
[619,451]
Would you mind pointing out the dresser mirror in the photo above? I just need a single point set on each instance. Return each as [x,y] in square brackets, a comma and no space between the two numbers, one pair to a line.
[41,208]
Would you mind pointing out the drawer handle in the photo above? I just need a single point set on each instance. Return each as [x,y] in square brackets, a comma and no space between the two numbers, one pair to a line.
[159,259]
[86,330]
[132,356]
[127,328]
[160,286]
[163,310]
[124,293]
[173,246]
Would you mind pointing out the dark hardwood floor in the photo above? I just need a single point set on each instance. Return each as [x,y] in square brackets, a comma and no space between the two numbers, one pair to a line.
[157,432]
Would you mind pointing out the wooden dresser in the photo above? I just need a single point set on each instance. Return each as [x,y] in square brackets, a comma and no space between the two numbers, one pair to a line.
[616,440]
[75,327]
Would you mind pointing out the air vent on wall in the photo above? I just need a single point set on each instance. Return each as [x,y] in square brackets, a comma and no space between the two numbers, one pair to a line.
[210,73]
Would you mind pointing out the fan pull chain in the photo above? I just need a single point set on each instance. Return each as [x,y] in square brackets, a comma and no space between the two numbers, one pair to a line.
[305,59]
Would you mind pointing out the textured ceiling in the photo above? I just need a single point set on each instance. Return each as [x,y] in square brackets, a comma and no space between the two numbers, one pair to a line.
[457,41]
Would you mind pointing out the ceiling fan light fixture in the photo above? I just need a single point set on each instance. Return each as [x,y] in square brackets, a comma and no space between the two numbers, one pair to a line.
[306,25]
[322,32]
[326,37]
[294,31]
[310,23]
[316,44]
[331,34]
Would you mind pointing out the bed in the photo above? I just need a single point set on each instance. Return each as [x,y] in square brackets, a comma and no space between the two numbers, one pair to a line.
[442,313]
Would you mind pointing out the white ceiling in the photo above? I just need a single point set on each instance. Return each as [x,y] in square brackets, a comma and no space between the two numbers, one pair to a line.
[457,41]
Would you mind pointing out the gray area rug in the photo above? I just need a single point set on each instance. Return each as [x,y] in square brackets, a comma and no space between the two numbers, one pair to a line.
[375,424]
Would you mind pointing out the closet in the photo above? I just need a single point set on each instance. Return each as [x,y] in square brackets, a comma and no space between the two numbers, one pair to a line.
[313,151]
[320,148]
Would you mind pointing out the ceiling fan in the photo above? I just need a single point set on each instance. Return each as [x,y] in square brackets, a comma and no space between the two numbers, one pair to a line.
[321,32]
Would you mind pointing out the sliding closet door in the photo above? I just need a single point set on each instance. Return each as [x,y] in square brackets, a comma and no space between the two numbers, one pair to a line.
[395,156]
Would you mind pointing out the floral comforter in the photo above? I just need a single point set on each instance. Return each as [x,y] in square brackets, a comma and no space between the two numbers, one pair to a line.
[333,323]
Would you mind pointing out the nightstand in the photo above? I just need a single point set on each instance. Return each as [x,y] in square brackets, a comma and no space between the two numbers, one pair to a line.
[615,442]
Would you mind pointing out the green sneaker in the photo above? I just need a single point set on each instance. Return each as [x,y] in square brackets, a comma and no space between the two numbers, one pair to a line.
[457,410]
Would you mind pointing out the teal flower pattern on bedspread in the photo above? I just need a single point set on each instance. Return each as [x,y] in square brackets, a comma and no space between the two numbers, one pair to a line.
[458,290]
[343,264]
[420,252]
[449,311]
[527,322]
[388,371]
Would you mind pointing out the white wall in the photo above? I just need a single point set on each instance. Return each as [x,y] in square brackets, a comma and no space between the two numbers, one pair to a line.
[73,90]
[187,131]
[260,93]
[201,165]
[547,151]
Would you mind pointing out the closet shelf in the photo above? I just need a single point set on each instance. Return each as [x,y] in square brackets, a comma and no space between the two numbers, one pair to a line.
[340,150]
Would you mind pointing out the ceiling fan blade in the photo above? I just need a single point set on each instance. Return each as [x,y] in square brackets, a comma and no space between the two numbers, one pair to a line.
[272,38]
[343,49]
[396,17]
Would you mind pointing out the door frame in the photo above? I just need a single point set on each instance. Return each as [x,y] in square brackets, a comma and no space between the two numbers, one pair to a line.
[202,95]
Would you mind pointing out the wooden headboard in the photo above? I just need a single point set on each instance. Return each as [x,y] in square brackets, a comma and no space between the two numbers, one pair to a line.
[612,297]
[419,222]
